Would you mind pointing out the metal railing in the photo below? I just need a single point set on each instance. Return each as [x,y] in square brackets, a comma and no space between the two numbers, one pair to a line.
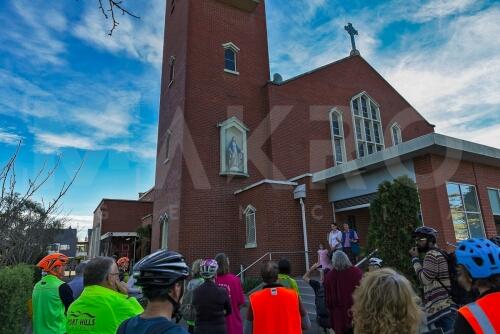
[268,256]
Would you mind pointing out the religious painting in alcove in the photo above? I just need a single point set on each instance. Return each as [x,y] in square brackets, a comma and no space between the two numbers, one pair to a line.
[233,147]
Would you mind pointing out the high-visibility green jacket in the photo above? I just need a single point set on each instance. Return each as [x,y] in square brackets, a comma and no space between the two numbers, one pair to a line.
[100,310]
[48,308]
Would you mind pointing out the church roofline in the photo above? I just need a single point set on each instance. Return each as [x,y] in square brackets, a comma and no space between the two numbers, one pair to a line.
[265,181]
[433,143]
[284,82]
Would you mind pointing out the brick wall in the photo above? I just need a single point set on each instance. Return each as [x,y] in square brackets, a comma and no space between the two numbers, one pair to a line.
[122,215]
[433,171]
[305,132]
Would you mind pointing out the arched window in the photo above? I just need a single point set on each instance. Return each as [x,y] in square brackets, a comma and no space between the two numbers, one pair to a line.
[337,132]
[367,125]
[230,52]
[396,134]
[251,231]
[164,231]
[171,75]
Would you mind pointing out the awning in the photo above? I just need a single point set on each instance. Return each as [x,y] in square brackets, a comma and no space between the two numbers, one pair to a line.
[118,234]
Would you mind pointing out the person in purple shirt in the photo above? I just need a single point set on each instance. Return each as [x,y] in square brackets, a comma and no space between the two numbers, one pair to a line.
[349,238]
[232,284]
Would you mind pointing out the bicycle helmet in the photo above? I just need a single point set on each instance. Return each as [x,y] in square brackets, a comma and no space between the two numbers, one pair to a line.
[481,257]
[51,261]
[425,231]
[375,261]
[208,268]
[161,268]
[123,263]
[496,240]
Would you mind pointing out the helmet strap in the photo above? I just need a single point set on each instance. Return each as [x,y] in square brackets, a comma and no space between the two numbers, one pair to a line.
[176,305]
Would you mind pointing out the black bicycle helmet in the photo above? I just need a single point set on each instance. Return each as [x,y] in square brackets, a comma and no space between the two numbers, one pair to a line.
[425,231]
[161,268]
[496,240]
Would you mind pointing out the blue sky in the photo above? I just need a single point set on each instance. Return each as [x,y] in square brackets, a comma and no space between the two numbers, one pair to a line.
[68,89]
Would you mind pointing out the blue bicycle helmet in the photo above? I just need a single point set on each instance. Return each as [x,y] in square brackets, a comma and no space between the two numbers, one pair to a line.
[481,257]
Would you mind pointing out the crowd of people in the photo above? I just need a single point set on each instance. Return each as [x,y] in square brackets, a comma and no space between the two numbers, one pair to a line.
[461,292]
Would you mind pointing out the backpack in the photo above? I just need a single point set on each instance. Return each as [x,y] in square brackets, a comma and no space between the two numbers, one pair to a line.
[187,309]
[322,313]
[458,294]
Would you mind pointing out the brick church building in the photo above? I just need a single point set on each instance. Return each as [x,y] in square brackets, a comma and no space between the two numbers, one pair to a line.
[248,165]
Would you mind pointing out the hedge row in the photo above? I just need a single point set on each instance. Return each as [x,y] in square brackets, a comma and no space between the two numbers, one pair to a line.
[16,285]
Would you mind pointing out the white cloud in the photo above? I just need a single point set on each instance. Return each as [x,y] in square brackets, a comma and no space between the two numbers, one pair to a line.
[441,8]
[47,142]
[455,84]
[9,138]
[115,117]
[31,33]
[81,223]
[138,38]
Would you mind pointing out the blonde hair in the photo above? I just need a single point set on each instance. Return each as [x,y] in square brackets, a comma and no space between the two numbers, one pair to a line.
[385,303]
[195,268]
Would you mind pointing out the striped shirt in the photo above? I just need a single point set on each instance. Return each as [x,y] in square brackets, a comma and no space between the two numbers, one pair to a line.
[438,302]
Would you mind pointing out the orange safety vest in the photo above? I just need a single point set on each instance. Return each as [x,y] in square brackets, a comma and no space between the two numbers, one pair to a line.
[275,310]
[482,315]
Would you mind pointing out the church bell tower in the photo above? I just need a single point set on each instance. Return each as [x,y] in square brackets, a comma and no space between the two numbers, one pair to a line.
[213,96]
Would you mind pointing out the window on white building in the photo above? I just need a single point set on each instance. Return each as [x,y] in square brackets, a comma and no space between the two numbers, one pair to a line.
[251,231]
[396,134]
[465,211]
[367,125]
[230,53]
[494,196]
[337,132]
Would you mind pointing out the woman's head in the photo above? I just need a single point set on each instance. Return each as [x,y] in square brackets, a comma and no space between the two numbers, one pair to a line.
[195,268]
[321,246]
[340,261]
[223,262]
[385,303]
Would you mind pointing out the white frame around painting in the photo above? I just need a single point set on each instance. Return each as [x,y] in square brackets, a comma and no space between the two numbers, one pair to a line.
[234,124]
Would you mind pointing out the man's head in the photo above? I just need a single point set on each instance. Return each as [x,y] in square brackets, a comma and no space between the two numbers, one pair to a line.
[161,276]
[284,266]
[425,238]
[101,271]
[269,272]
[345,226]
[80,268]
[54,264]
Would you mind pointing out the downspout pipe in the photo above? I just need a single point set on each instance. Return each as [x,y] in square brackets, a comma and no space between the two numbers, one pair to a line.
[304,232]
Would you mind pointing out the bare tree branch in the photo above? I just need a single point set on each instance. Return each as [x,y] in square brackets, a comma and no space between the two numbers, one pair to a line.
[112,5]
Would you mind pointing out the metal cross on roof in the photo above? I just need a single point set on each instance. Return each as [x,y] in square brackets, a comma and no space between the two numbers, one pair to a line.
[351,31]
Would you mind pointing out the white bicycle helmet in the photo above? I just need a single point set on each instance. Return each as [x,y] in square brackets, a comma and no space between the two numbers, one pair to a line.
[375,261]
[208,268]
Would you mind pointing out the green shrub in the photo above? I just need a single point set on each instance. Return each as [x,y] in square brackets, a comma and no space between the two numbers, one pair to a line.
[16,285]
[250,283]
[393,216]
